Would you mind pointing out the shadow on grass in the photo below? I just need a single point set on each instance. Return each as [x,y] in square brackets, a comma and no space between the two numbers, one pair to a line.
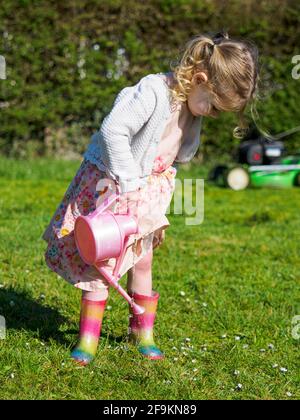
[21,312]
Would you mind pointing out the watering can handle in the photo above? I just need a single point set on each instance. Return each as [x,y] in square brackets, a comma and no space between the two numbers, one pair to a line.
[100,209]
[107,202]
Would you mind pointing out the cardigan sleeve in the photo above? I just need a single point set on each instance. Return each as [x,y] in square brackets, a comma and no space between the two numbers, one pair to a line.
[132,108]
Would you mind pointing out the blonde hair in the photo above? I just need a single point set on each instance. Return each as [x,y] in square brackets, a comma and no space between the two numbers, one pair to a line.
[231,66]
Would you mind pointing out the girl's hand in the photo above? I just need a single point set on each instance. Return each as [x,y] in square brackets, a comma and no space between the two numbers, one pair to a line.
[129,201]
[159,237]
[131,195]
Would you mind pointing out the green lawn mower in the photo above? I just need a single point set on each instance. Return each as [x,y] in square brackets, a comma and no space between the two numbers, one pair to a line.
[261,162]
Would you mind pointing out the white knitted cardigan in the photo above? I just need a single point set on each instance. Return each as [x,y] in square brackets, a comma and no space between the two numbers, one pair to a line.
[126,143]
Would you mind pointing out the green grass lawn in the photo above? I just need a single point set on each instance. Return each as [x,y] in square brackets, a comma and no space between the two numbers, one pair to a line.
[229,291]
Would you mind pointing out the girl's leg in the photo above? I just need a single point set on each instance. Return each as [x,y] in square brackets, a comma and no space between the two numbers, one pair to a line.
[91,315]
[95,296]
[139,286]
[139,277]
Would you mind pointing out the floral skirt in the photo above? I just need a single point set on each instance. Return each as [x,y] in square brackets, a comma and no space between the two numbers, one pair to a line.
[86,192]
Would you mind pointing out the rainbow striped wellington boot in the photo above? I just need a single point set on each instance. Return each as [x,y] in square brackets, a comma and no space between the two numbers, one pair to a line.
[91,316]
[141,326]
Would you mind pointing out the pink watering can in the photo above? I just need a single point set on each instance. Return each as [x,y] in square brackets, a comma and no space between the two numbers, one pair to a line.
[102,235]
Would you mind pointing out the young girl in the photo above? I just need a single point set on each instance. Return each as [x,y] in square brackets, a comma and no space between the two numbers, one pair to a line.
[152,126]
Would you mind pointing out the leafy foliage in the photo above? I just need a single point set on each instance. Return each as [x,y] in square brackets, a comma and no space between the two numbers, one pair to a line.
[66,61]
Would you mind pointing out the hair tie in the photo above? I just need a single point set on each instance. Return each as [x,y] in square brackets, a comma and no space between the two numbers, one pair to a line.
[218,38]
[211,48]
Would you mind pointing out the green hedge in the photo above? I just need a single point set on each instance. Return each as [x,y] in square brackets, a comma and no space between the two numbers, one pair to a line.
[67,60]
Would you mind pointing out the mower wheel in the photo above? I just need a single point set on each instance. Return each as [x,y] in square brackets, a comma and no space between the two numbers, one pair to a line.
[238,179]
[297,180]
